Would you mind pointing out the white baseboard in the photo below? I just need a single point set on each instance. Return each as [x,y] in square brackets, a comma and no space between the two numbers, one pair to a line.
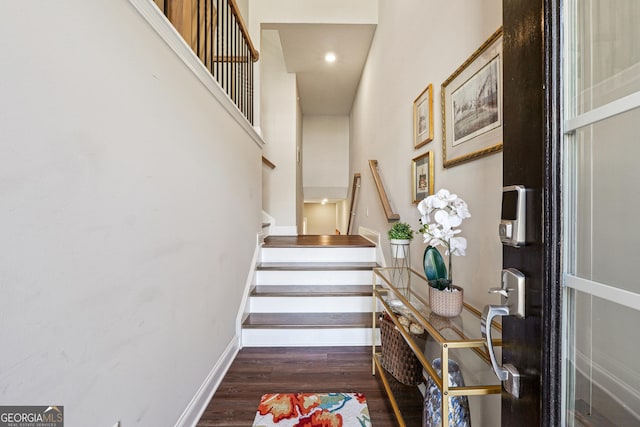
[374,237]
[371,235]
[243,311]
[198,404]
[614,380]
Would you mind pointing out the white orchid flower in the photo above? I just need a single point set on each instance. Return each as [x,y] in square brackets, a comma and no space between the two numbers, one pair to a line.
[454,220]
[461,208]
[440,214]
[423,208]
[442,218]
[442,199]
[458,246]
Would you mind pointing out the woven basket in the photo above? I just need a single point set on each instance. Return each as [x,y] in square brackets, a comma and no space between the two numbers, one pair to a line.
[445,303]
[397,357]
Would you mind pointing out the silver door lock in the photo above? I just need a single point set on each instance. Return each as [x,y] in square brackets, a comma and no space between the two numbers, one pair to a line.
[512,292]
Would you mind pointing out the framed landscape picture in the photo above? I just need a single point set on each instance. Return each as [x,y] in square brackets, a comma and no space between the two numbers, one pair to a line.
[472,106]
[422,177]
[423,117]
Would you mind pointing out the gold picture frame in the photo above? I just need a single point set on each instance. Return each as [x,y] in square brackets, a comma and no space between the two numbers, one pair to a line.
[472,106]
[423,117]
[422,176]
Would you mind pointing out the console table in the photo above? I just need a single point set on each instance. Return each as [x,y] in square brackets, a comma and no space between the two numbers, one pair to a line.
[404,291]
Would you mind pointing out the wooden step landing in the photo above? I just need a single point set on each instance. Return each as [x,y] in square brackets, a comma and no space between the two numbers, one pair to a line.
[312,291]
[307,320]
[316,266]
[307,241]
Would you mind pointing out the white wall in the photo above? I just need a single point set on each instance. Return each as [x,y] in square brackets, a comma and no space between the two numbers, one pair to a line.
[279,129]
[275,106]
[321,219]
[129,209]
[418,42]
[326,157]
[342,215]
[243,5]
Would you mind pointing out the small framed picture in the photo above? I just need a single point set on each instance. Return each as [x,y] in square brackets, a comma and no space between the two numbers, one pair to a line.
[423,117]
[422,176]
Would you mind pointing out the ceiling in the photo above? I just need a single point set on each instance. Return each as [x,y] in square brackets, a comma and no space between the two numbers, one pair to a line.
[325,88]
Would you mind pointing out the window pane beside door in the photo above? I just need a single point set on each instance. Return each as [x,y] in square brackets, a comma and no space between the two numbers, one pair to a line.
[602,338]
[605,364]
[607,55]
[608,201]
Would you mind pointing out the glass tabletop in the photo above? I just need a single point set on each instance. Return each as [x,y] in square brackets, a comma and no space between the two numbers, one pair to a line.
[406,292]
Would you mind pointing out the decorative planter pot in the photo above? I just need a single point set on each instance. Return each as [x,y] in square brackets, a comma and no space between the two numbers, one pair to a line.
[446,303]
[399,248]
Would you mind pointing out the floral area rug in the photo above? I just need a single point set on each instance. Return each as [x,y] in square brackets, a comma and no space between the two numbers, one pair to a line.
[313,410]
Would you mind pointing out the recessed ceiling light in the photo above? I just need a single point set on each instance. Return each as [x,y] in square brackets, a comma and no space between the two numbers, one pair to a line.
[330,57]
[324,201]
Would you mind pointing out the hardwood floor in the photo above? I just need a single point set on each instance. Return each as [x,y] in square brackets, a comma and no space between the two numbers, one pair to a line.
[260,370]
[317,241]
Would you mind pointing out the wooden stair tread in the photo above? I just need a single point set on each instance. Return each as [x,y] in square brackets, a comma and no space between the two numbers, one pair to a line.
[311,290]
[316,266]
[308,320]
[317,241]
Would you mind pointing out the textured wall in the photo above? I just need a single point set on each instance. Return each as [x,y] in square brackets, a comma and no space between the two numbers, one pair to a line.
[130,201]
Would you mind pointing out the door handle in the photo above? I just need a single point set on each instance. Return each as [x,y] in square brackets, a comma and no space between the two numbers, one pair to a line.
[512,292]
[489,312]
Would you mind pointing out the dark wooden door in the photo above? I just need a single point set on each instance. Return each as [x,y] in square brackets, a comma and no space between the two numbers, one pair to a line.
[531,158]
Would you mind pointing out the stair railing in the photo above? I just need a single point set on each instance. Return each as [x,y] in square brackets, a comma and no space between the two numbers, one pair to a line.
[355,190]
[386,205]
[216,32]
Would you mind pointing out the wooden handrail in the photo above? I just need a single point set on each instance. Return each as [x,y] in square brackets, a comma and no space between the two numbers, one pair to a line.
[228,58]
[391,216]
[354,195]
[236,11]
[267,162]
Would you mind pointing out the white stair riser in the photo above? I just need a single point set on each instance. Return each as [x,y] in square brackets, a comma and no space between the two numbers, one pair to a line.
[308,337]
[311,304]
[318,255]
[306,277]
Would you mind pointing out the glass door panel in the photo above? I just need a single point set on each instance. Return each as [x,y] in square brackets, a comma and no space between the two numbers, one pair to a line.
[604,364]
[607,54]
[601,202]
[607,199]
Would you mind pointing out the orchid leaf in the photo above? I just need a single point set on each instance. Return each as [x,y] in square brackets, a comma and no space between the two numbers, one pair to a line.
[434,266]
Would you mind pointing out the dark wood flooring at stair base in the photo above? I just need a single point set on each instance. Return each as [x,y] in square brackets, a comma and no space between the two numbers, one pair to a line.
[317,241]
[257,371]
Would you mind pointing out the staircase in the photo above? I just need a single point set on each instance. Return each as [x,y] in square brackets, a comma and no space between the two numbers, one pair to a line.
[311,291]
